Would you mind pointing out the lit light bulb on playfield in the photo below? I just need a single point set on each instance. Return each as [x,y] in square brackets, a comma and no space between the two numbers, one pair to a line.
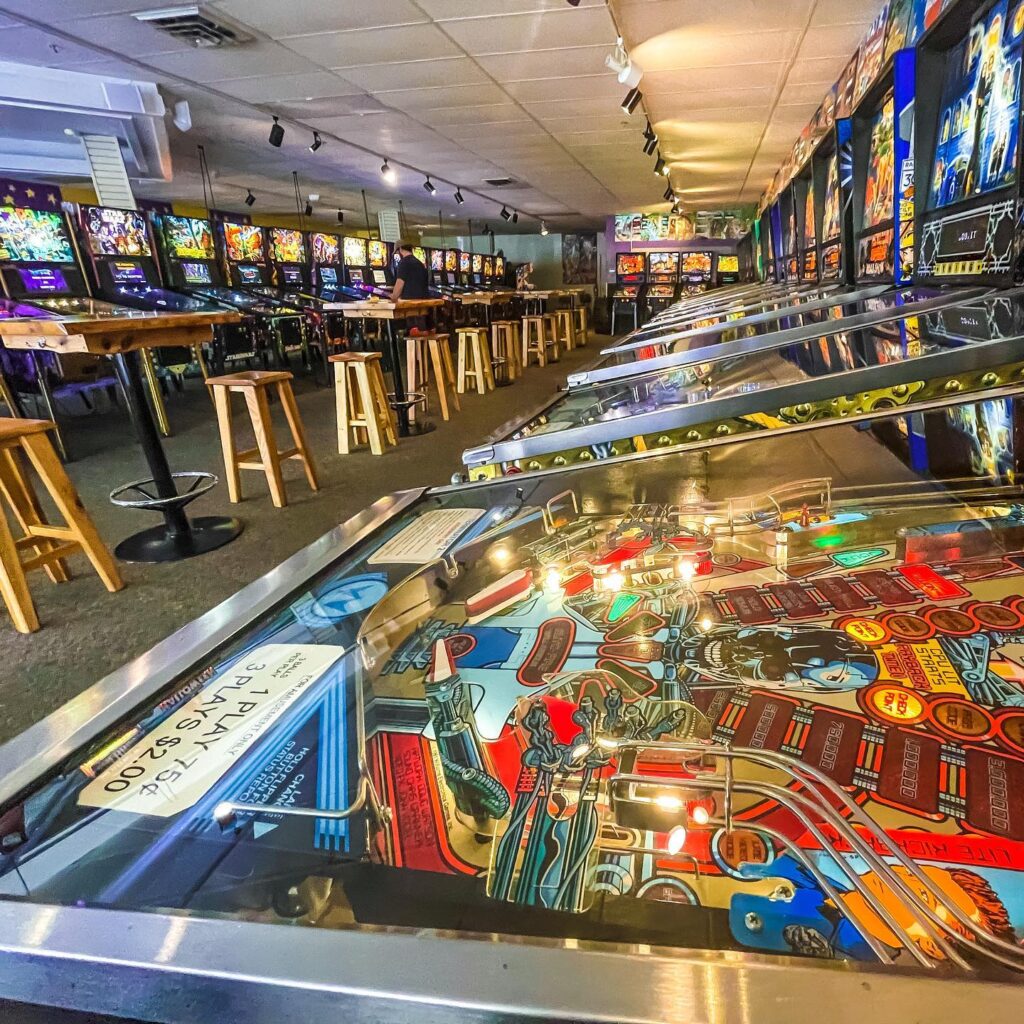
[700,815]
[669,803]
[614,582]
[676,839]
[687,570]
[553,581]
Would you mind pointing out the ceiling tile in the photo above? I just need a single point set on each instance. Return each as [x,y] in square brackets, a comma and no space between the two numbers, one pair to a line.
[456,95]
[573,60]
[579,107]
[137,38]
[578,87]
[670,84]
[418,75]
[374,46]
[538,30]
[687,48]
[55,10]
[642,20]
[278,88]
[839,41]
[279,19]
[478,114]
[349,103]
[843,12]
[34,46]
[214,65]
[444,10]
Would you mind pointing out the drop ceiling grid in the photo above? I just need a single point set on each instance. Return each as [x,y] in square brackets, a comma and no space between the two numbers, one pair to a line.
[776,68]
[514,85]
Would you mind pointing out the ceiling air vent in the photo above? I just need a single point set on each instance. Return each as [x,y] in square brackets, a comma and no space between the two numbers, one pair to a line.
[498,182]
[193,24]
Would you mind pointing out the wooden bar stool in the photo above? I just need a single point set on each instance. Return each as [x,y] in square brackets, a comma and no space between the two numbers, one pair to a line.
[564,329]
[551,336]
[533,340]
[254,384]
[430,355]
[474,360]
[47,546]
[581,325]
[505,345]
[364,415]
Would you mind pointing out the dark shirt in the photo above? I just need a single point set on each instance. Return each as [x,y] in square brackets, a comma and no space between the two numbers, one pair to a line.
[414,274]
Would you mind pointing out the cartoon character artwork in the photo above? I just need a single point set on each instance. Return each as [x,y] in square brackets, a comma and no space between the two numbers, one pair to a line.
[583,707]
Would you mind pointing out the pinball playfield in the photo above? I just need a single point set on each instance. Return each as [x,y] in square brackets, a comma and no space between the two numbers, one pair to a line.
[632,702]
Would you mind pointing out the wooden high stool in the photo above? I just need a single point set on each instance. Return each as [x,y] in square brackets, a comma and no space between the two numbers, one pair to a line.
[364,415]
[581,325]
[254,384]
[505,345]
[426,351]
[533,340]
[474,360]
[48,546]
[551,336]
[564,329]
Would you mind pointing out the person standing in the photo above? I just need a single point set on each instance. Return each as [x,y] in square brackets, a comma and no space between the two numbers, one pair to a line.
[410,276]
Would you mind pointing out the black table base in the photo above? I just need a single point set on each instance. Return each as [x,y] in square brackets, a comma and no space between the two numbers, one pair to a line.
[179,537]
[161,544]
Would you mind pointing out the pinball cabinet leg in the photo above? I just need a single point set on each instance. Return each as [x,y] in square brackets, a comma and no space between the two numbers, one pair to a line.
[43,383]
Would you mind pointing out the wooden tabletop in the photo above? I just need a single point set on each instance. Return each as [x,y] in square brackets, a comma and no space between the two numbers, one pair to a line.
[486,298]
[109,334]
[384,309]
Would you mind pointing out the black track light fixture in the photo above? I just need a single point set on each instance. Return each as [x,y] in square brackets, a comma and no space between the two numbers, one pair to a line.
[632,100]
[505,215]
[250,199]
[458,197]
[669,195]
[649,132]
[543,228]
[515,216]
[660,167]
[316,143]
[276,134]
[341,216]
[387,172]
[650,146]
[429,186]
[573,3]
[309,209]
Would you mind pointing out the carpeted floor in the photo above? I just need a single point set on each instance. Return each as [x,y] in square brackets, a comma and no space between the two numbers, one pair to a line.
[87,632]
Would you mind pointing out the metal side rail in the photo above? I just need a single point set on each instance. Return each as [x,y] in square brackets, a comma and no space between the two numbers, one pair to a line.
[753,320]
[774,339]
[938,370]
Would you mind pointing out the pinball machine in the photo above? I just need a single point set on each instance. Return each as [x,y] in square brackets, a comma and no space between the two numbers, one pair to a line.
[188,257]
[630,285]
[662,281]
[678,722]
[893,359]
[727,269]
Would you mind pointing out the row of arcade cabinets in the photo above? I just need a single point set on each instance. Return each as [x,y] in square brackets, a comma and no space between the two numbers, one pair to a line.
[918,184]
[647,283]
[452,271]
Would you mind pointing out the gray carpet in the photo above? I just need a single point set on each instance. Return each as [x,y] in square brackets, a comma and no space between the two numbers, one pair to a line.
[87,632]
